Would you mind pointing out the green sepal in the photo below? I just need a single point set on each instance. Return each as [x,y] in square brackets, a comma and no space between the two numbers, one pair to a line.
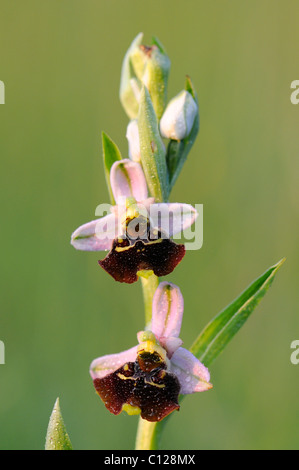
[57,438]
[178,151]
[111,154]
[158,43]
[190,88]
[152,149]
[157,72]
[126,93]
[219,332]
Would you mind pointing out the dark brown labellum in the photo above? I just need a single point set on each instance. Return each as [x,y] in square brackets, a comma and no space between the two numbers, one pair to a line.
[127,257]
[155,393]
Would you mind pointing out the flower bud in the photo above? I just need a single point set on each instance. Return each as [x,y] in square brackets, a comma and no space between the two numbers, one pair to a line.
[133,140]
[152,66]
[129,85]
[178,118]
[144,65]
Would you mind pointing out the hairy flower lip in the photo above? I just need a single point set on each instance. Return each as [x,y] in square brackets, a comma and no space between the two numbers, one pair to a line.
[154,393]
[125,260]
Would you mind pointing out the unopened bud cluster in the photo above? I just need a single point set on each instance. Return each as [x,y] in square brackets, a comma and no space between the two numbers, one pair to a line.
[143,94]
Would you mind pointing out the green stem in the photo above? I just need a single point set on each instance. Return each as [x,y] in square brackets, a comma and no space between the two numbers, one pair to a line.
[149,286]
[147,436]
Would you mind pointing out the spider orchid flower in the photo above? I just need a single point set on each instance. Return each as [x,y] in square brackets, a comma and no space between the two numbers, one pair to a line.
[137,231]
[149,377]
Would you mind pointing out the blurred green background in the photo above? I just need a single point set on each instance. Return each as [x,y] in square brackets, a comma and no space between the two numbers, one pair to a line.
[60,61]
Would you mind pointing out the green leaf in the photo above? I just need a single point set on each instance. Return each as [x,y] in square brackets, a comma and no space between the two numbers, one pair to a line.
[218,333]
[152,149]
[177,151]
[111,154]
[57,438]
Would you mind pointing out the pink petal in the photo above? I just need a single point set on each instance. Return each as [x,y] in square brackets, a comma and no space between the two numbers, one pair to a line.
[168,307]
[170,344]
[97,235]
[143,208]
[172,218]
[105,365]
[127,180]
[192,374]
[133,140]
[147,203]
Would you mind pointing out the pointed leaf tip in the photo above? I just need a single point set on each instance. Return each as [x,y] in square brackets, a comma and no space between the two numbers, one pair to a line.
[57,438]
[219,332]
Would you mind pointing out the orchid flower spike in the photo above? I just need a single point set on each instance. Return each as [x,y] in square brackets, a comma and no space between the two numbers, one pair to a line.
[137,232]
[148,378]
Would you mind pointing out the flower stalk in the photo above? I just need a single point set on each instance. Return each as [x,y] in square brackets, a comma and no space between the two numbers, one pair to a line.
[149,286]
[147,437]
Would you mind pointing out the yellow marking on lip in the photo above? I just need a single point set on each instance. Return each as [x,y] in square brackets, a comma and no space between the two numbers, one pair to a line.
[119,249]
[123,377]
[155,385]
[131,410]
[145,273]
[160,240]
